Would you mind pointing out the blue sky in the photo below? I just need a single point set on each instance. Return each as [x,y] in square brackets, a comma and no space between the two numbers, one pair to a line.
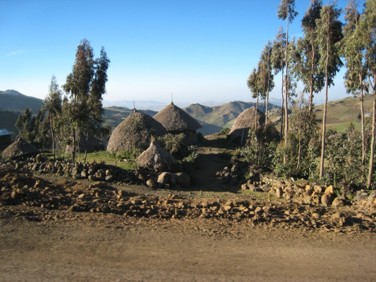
[199,50]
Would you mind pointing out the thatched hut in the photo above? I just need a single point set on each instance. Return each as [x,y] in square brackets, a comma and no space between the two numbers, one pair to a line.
[134,133]
[252,120]
[157,158]
[19,148]
[176,121]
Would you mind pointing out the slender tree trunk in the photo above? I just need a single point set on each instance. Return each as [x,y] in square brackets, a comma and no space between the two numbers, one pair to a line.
[266,110]
[372,152]
[73,144]
[257,103]
[286,121]
[52,135]
[362,122]
[282,105]
[325,111]
[311,81]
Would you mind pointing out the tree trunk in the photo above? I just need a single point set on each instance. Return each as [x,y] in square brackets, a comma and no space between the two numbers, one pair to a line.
[73,144]
[257,103]
[52,135]
[266,110]
[325,111]
[286,121]
[371,157]
[311,81]
[282,105]
[362,121]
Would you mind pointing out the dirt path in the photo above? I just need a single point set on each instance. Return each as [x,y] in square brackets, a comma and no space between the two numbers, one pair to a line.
[209,161]
[92,247]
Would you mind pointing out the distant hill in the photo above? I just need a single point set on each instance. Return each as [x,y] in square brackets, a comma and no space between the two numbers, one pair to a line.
[214,119]
[12,100]
[8,120]
[115,115]
[345,111]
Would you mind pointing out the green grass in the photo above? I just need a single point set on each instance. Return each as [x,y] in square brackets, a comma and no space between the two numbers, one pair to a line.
[110,159]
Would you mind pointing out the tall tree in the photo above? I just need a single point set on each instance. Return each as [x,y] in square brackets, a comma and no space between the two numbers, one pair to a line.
[286,12]
[85,86]
[353,50]
[254,86]
[306,67]
[278,64]
[53,104]
[329,33]
[368,34]
[266,83]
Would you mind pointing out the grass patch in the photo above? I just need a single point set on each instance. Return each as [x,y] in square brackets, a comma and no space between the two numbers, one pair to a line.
[103,156]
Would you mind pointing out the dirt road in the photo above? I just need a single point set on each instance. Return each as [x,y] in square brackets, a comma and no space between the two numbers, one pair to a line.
[96,247]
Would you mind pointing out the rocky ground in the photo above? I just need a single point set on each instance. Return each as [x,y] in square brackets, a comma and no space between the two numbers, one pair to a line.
[59,228]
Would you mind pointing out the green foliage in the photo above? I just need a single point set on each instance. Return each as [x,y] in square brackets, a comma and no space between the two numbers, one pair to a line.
[301,148]
[343,164]
[85,86]
[174,143]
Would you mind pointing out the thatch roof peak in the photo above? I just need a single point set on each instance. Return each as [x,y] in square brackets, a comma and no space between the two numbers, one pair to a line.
[134,133]
[248,119]
[175,119]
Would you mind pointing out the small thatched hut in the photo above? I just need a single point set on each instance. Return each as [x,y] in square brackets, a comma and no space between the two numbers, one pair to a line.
[157,158]
[134,133]
[19,148]
[176,121]
[254,120]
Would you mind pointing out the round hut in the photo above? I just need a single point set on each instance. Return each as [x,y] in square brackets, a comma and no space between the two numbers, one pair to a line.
[157,158]
[253,120]
[176,121]
[19,148]
[134,133]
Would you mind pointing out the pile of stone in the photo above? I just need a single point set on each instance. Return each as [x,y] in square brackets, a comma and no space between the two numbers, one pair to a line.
[302,192]
[76,170]
[164,179]
[23,189]
[233,174]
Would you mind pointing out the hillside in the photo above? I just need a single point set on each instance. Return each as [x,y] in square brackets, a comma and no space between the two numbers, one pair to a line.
[12,100]
[342,112]
[214,119]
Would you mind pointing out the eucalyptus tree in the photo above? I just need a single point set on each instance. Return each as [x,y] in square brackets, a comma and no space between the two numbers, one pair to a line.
[53,105]
[278,64]
[329,33]
[306,66]
[368,34]
[353,49]
[265,75]
[286,12]
[85,86]
[253,83]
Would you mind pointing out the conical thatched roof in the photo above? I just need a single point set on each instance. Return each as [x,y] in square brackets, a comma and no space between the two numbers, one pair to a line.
[19,148]
[134,133]
[175,119]
[248,119]
[157,158]
[254,120]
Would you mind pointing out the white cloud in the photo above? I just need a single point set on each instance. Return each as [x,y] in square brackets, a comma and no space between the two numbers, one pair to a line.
[16,52]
